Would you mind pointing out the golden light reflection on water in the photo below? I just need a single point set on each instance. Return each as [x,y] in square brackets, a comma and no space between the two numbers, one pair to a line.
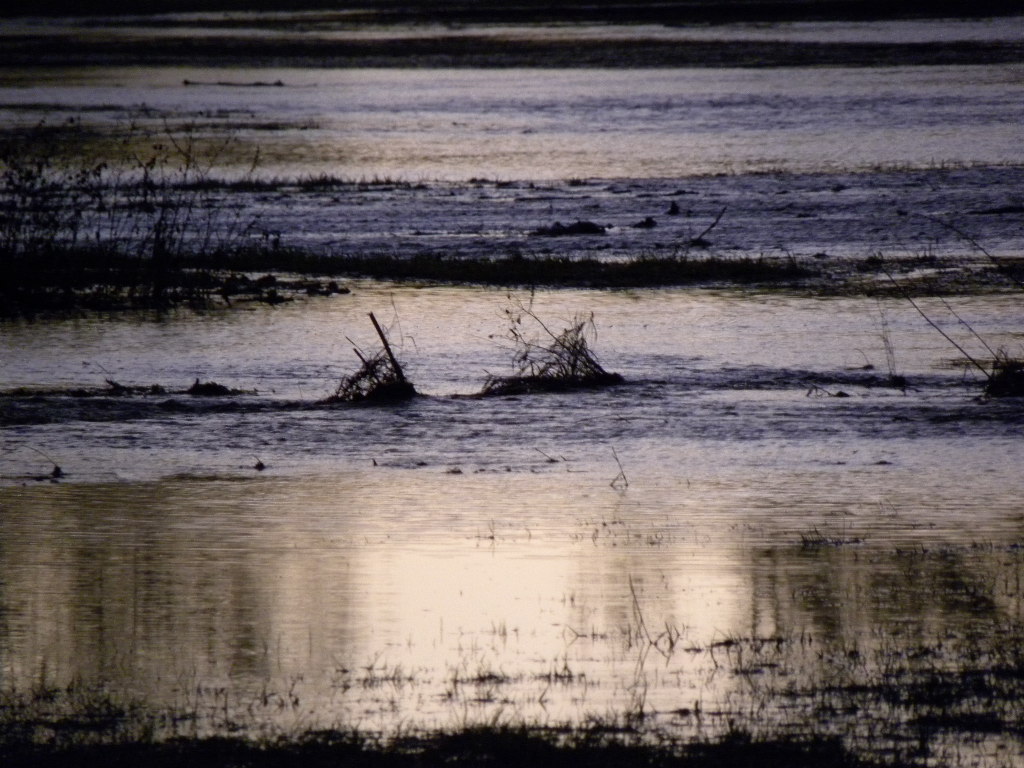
[147,585]
[398,597]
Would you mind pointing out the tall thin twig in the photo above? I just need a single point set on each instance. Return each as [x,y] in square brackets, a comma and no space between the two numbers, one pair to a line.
[933,324]
[620,481]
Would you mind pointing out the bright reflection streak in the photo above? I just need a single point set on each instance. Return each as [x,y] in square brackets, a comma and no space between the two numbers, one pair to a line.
[390,598]
[389,580]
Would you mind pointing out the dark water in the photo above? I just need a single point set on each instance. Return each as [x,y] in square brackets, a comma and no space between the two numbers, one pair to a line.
[755,484]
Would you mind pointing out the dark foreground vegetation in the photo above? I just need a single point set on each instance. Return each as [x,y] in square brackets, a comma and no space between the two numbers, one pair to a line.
[888,699]
[498,747]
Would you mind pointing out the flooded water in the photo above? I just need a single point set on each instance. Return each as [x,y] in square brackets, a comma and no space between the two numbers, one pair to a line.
[456,560]
[548,124]
[755,486]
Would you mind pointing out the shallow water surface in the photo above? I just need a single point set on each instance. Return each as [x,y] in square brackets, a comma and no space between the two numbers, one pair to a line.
[543,124]
[456,560]
[761,528]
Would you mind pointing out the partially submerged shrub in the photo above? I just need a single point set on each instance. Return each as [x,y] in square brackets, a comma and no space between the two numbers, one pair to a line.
[376,380]
[379,378]
[1007,378]
[209,389]
[545,361]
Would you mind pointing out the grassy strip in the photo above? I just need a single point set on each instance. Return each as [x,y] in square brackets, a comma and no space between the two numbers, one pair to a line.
[104,280]
[68,280]
[512,746]
[562,271]
[484,51]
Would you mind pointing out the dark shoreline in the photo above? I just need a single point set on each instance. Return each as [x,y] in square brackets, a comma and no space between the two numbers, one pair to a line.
[540,11]
[484,34]
[69,283]
[537,747]
[482,51]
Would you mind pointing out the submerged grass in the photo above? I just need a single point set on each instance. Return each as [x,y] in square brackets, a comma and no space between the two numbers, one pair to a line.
[924,689]
[150,228]
[495,748]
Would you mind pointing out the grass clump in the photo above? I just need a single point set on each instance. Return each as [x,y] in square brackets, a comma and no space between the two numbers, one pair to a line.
[546,361]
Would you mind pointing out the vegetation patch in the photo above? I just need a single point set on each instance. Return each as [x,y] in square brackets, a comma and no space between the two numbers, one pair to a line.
[147,230]
[561,271]
[1006,378]
[150,229]
[546,361]
[379,378]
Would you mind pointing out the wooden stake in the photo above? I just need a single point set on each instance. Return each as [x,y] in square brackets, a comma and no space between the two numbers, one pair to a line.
[387,349]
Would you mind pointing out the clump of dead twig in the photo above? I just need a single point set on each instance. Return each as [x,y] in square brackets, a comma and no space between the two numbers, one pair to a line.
[375,380]
[379,378]
[546,361]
